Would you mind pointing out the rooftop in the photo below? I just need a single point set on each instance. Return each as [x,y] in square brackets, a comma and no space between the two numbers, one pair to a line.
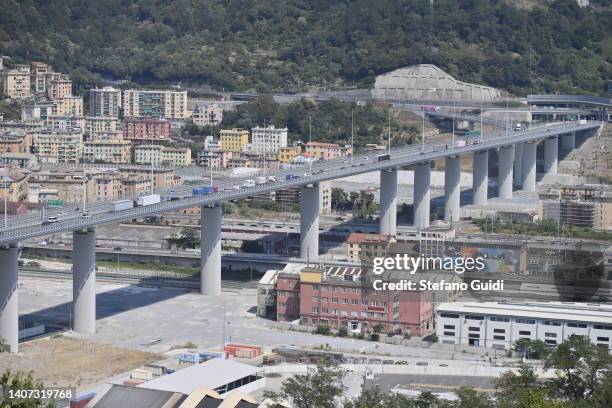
[362,237]
[584,312]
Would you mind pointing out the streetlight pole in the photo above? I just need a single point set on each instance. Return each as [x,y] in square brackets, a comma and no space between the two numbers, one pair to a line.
[310,142]
[5,197]
[389,134]
[352,137]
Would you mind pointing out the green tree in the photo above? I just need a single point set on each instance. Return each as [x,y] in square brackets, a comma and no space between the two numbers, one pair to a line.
[470,398]
[531,349]
[318,388]
[20,381]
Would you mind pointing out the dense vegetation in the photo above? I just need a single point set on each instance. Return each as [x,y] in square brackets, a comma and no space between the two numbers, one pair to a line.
[544,227]
[583,379]
[300,44]
[330,120]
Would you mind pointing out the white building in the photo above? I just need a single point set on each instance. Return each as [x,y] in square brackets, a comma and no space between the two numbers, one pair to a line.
[36,111]
[212,144]
[147,154]
[207,115]
[499,325]
[268,139]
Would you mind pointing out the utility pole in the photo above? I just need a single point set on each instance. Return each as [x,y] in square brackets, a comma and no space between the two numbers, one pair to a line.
[454,122]
[389,130]
[310,142]
[423,134]
[5,195]
[352,138]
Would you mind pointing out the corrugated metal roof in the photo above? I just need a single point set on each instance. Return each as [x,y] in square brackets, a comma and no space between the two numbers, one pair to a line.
[120,396]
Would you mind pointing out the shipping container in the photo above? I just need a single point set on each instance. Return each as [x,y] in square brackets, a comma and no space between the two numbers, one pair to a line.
[202,191]
[122,205]
[148,200]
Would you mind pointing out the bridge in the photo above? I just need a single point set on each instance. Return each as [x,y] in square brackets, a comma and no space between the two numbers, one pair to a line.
[517,152]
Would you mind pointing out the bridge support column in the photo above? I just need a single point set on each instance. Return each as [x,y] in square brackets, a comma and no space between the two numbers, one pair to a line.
[388,202]
[529,166]
[551,155]
[309,222]
[504,179]
[568,142]
[84,281]
[210,255]
[452,190]
[422,177]
[480,178]
[517,176]
[9,312]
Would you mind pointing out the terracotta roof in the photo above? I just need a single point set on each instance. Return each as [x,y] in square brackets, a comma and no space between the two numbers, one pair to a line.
[361,237]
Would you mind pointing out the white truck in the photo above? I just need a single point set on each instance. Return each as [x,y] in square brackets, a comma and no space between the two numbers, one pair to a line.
[459,143]
[148,200]
[122,205]
[582,122]
[248,183]
[260,180]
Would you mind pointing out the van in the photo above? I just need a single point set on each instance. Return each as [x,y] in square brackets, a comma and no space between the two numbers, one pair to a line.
[51,220]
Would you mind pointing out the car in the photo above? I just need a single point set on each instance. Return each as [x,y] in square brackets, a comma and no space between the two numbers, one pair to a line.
[344,161]
[366,158]
[422,363]
[50,220]
[117,249]
[442,365]
[306,174]
[236,187]
[85,214]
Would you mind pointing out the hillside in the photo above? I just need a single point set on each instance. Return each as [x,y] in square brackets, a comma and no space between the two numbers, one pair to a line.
[522,46]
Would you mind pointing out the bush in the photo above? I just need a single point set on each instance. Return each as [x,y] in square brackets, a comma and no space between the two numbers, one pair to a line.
[342,332]
[374,336]
[322,329]
[434,338]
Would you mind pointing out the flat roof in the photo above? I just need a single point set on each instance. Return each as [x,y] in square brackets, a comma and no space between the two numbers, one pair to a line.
[210,374]
[583,312]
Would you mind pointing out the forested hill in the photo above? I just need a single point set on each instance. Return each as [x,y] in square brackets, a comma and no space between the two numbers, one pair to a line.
[296,44]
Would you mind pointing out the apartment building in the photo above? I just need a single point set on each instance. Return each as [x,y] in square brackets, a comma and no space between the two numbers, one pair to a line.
[499,325]
[100,124]
[268,139]
[15,141]
[162,177]
[38,72]
[343,297]
[148,154]
[365,246]
[155,104]
[233,140]
[105,102]
[15,185]
[176,156]
[207,115]
[58,146]
[63,122]
[21,160]
[107,187]
[134,185]
[215,159]
[586,205]
[286,154]
[59,88]
[15,82]
[143,129]
[212,144]
[36,111]
[68,106]
[107,151]
[67,185]
[327,151]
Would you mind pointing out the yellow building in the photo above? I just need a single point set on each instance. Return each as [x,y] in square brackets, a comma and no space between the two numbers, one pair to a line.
[59,88]
[135,185]
[15,83]
[176,156]
[68,106]
[99,124]
[15,186]
[232,140]
[286,154]
[155,104]
[107,151]
[64,146]
[162,177]
[364,246]
[67,185]
[107,187]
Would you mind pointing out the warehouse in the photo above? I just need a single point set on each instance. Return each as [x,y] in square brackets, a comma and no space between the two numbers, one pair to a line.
[500,324]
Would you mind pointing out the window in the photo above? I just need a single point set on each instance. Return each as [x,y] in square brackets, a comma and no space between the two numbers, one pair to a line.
[364,302]
[499,319]
[449,333]
[474,336]
[450,315]
[345,301]
[324,310]
[324,300]
[551,323]
[355,301]
[550,342]
[602,327]
[315,299]
[334,300]
[499,337]
[474,317]
[581,325]
[606,339]
[548,334]
[525,321]
[524,333]
[499,331]
[474,329]
[449,326]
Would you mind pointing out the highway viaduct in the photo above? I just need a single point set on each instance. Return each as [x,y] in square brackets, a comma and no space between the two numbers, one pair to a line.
[516,147]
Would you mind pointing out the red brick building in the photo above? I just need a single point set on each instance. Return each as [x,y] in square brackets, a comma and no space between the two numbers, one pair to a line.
[139,129]
[344,297]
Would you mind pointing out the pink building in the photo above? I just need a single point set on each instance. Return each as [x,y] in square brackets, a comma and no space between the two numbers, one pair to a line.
[326,151]
[139,129]
[343,297]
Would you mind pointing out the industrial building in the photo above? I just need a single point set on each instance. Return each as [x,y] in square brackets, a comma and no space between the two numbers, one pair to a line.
[428,82]
[499,325]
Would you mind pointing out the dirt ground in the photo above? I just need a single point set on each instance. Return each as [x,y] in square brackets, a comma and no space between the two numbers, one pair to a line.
[68,362]
[595,156]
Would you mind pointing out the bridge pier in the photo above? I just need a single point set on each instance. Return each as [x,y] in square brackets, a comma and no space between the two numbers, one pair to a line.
[388,202]
[422,178]
[452,190]
[551,155]
[529,166]
[568,142]
[517,176]
[9,312]
[309,222]
[210,255]
[84,281]
[506,164]
[480,177]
